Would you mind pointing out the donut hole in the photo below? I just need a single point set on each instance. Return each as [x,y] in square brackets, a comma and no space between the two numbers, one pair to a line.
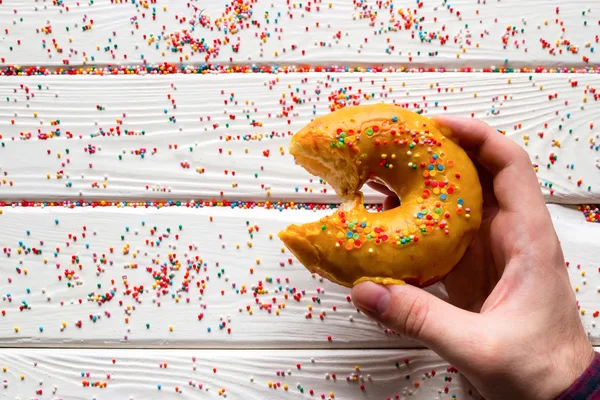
[391,200]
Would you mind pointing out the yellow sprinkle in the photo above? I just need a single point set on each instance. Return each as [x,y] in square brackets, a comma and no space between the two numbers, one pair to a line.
[171,328]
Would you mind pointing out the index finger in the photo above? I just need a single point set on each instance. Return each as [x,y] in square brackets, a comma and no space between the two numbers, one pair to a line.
[515,184]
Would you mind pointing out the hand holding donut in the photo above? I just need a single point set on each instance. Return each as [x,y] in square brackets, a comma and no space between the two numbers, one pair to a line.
[512,326]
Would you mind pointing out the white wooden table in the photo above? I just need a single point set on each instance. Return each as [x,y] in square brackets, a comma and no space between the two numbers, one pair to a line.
[142,187]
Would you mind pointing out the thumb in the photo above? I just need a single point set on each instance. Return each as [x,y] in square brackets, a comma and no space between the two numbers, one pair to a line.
[418,315]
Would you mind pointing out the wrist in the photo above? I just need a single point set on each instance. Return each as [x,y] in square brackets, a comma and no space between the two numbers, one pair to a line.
[566,366]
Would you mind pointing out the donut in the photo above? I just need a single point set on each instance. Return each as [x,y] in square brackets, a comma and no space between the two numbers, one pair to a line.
[418,242]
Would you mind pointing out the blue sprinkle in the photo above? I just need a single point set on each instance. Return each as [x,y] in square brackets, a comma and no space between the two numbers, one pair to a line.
[460,201]
[435,156]
[443,196]
[394,119]
[430,167]
[440,167]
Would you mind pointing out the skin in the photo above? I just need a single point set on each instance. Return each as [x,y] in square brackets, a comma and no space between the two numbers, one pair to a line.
[511,324]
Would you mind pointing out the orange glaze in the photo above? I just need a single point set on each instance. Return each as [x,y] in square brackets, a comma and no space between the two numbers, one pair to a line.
[418,242]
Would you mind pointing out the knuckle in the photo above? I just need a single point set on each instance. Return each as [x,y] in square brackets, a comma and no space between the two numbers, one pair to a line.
[411,314]
[519,153]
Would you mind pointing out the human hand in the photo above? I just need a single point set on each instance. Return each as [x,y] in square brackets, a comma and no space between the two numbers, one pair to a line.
[511,325]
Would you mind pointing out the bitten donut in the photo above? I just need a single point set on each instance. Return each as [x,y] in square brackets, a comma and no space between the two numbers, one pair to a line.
[418,242]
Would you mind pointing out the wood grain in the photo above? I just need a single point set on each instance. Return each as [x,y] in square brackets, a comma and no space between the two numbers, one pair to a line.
[463,33]
[110,291]
[225,137]
[131,277]
[247,374]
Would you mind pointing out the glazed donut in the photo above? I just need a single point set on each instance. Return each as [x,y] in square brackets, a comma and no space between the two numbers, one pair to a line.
[418,242]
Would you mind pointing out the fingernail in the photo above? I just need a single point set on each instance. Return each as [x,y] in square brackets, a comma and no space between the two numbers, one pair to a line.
[371,297]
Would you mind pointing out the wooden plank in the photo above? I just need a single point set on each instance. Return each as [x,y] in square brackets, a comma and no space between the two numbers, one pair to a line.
[248,374]
[463,33]
[247,290]
[246,158]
